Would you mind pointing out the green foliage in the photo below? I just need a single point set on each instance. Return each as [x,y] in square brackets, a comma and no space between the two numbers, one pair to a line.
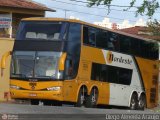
[148,7]
[154,27]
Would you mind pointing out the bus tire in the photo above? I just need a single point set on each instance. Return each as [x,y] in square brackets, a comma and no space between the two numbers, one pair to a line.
[80,99]
[34,102]
[142,102]
[134,101]
[91,100]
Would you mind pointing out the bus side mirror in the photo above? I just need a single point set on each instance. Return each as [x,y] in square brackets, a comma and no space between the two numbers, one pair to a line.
[62,61]
[3,61]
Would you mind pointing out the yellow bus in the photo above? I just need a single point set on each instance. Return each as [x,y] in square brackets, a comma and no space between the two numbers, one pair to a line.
[62,60]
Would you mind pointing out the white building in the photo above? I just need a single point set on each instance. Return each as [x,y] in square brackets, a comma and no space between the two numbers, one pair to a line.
[72,17]
[105,23]
[125,24]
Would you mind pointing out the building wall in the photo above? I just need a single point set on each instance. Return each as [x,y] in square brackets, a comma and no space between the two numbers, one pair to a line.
[5,45]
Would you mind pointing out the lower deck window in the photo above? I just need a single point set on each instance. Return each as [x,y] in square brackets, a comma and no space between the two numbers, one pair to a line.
[111,74]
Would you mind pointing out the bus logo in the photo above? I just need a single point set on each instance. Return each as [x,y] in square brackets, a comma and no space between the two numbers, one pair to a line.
[33,84]
[113,58]
[109,57]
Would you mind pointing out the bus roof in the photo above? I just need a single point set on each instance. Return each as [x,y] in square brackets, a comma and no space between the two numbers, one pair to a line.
[85,23]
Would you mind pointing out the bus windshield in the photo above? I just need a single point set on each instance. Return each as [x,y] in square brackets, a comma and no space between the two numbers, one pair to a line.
[30,30]
[35,65]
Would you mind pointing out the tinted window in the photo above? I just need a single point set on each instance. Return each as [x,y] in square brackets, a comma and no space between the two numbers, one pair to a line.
[99,72]
[125,44]
[89,36]
[103,73]
[111,74]
[41,30]
[144,49]
[95,75]
[113,41]
[73,50]
[125,76]
[135,47]
[85,35]
[101,39]
[154,51]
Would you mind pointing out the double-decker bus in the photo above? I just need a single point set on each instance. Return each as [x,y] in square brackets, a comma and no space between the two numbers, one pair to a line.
[62,60]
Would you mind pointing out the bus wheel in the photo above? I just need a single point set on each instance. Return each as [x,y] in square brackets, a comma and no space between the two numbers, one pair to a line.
[91,100]
[80,100]
[134,102]
[142,102]
[34,102]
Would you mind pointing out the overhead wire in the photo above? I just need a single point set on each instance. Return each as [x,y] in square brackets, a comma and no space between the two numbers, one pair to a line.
[104,4]
[92,7]
[91,14]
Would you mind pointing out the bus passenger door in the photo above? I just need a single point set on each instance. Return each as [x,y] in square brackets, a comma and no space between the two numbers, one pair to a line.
[69,92]
[70,84]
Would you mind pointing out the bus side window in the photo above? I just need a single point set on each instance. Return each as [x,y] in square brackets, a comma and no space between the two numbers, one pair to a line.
[135,43]
[69,68]
[89,36]
[125,44]
[95,74]
[85,35]
[101,39]
[99,72]
[113,73]
[144,49]
[113,41]
[154,51]
[125,76]
[73,48]
[104,73]
[92,36]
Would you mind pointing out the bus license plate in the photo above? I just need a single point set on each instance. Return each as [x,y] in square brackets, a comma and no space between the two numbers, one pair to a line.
[32,94]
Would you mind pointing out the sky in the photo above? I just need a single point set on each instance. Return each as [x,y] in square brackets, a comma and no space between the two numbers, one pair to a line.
[67,8]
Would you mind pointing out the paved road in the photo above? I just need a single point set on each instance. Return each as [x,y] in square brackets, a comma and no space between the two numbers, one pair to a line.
[64,112]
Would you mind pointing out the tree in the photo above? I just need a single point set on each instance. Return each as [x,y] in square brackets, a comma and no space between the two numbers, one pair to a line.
[154,27]
[148,7]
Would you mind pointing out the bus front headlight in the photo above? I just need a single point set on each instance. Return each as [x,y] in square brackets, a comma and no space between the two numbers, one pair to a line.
[54,88]
[14,87]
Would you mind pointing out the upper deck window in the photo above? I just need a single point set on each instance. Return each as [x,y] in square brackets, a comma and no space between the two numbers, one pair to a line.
[36,30]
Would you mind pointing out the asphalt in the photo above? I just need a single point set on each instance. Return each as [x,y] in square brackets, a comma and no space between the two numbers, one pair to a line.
[29,112]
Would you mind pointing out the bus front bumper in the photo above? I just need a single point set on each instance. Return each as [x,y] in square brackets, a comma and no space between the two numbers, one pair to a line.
[41,95]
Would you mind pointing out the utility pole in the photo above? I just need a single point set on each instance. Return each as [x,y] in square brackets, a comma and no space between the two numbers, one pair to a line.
[66,13]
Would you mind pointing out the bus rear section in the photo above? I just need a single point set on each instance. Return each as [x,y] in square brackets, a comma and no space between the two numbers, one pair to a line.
[124,68]
[149,70]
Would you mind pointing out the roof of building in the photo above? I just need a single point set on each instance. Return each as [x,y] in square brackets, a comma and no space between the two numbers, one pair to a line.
[27,4]
[140,31]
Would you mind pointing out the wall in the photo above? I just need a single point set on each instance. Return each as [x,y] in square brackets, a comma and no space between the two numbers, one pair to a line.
[5,45]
